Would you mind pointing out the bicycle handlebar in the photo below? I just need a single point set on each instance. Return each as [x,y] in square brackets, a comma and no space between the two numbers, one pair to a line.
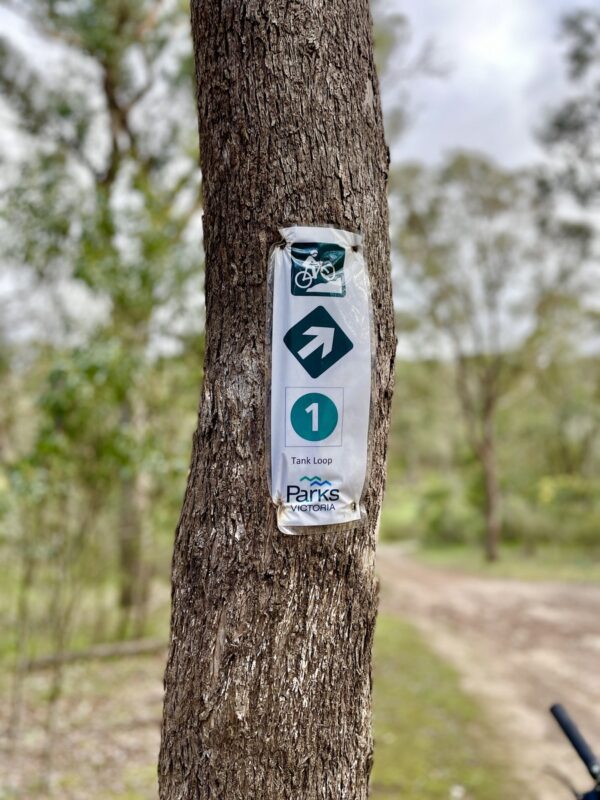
[573,734]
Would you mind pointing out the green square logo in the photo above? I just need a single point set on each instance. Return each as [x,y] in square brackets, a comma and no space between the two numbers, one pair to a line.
[318,269]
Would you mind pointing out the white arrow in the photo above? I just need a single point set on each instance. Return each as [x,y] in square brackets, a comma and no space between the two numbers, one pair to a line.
[322,337]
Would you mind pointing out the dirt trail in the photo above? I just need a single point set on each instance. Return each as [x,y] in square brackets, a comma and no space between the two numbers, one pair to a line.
[519,646]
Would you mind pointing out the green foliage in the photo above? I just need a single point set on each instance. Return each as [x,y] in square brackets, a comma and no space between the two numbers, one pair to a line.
[434,511]
[447,517]
[571,132]
[493,289]
[572,502]
[548,452]
[102,209]
[551,562]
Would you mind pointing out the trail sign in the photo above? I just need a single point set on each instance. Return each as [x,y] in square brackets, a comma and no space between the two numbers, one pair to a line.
[320,378]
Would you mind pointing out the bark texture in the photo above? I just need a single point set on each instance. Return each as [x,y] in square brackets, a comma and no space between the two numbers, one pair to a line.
[268,689]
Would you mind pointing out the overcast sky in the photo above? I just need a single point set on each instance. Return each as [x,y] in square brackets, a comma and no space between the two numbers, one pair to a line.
[506,67]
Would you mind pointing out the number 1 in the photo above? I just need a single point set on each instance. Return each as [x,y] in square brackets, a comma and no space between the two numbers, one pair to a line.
[313,409]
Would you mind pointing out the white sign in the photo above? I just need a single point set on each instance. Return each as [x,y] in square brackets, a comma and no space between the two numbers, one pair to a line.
[320,377]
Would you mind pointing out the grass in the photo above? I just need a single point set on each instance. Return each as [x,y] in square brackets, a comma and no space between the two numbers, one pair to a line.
[432,742]
[95,620]
[546,564]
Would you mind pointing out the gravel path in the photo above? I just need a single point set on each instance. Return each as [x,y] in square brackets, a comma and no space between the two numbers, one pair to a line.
[519,646]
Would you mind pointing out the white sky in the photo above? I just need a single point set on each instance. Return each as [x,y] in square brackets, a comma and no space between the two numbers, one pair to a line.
[506,67]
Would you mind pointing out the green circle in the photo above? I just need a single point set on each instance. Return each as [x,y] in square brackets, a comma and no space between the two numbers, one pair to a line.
[314,416]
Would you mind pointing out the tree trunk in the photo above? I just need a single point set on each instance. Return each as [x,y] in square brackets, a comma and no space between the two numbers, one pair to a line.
[268,687]
[492,495]
[129,532]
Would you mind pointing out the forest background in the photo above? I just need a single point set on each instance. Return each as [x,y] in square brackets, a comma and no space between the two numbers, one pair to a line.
[495,447]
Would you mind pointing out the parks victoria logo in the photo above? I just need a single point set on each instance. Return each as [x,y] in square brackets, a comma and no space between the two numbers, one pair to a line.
[313,494]
[318,270]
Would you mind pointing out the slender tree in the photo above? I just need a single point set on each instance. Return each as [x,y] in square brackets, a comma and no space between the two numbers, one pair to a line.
[268,686]
[485,267]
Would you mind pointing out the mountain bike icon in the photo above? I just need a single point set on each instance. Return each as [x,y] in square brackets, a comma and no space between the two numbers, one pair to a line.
[310,270]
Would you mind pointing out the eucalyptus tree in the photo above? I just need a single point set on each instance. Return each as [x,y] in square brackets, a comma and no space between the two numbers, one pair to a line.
[268,677]
[569,377]
[484,266]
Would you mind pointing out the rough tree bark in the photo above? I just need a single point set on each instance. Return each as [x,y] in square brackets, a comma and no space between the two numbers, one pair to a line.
[268,687]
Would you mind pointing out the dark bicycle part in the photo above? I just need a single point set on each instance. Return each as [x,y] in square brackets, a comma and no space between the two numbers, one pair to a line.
[573,734]
[584,751]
